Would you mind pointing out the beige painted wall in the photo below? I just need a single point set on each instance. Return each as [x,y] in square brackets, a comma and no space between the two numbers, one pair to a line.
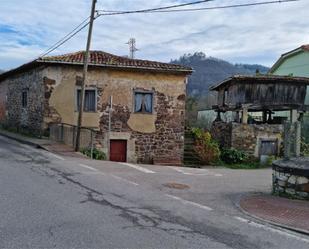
[119,84]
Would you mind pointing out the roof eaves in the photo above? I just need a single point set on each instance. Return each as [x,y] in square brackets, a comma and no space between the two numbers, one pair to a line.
[242,78]
[19,69]
[217,86]
[189,71]
[284,56]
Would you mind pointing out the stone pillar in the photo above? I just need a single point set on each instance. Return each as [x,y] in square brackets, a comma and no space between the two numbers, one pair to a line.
[297,127]
[245,115]
[287,140]
[293,116]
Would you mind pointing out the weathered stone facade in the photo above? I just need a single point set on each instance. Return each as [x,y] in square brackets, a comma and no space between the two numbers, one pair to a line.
[52,91]
[167,140]
[29,117]
[246,137]
[3,100]
[291,178]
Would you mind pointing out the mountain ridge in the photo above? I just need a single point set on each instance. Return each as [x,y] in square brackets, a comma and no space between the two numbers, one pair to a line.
[209,71]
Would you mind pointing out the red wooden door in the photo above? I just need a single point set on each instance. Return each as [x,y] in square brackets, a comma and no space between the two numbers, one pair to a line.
[118,150]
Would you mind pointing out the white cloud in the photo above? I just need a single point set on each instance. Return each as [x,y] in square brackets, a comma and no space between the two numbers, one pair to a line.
[252,35]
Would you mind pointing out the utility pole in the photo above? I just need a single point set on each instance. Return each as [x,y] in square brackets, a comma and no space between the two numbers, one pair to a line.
[85,71]
[132,47]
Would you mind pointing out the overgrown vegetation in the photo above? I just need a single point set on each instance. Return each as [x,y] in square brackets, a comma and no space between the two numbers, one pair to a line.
[304,148]
[233,156]
[96,154]
[237,159]
[205,146]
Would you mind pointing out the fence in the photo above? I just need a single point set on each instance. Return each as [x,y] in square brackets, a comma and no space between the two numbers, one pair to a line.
[66,133]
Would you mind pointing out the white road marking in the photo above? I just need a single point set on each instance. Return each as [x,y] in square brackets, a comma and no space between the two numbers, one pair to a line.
[138,168]
[87,167]
[189,202]
[56,156]
[194,174]
[125,180]
[281,232]
[178,170]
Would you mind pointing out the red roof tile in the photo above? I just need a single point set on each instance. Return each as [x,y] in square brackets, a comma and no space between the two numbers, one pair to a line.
[100,58]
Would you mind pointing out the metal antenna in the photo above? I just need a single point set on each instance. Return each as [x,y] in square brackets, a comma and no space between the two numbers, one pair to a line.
[132,47]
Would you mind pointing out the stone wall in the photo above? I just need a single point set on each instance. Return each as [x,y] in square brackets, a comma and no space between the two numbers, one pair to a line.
[166,141]
[3,96]
[246,137]
[222,133]
[291,178]
[31,116]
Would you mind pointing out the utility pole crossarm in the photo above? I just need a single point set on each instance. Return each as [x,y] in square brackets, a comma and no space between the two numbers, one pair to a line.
[84,80]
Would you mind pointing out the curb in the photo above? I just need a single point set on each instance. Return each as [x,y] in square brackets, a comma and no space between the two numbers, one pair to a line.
[293,229]
[21,140]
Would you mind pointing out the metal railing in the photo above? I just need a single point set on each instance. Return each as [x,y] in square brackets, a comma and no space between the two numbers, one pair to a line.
[66,133]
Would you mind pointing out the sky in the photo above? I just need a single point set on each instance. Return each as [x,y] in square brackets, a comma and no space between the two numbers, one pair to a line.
[255,35]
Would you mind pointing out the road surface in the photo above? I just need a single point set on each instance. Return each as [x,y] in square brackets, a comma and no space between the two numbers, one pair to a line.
[56,201]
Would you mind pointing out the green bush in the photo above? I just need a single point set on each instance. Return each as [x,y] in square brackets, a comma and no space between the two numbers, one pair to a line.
[304,148]
[205,146]
[233,156]
[96,154]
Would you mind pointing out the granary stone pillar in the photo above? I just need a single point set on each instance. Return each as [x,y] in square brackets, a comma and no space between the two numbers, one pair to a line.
[245,115]
[293,116]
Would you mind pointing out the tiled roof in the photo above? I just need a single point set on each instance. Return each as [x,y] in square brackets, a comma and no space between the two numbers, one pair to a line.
[100,58]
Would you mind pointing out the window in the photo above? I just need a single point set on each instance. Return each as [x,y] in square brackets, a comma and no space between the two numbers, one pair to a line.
[24,99]
[143,102]
[89,101]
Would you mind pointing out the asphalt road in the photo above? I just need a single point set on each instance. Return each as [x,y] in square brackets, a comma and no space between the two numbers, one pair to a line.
[55,201]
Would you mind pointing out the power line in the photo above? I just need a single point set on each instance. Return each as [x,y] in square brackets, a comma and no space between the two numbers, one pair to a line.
[165,9]
[158,8]
[109,12]
[80,27]
[64,41]
[63,38]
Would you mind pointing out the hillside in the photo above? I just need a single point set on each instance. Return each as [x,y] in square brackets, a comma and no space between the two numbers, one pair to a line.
[209,71]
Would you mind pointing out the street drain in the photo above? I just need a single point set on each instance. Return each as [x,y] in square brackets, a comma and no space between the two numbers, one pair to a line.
[176,185]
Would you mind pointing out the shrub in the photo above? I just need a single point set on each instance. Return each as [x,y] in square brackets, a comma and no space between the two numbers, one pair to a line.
[304,148]
[96,154]
[233,156]
[206,148]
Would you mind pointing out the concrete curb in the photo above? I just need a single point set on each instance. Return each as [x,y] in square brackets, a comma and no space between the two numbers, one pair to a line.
[293,229]
[21,140]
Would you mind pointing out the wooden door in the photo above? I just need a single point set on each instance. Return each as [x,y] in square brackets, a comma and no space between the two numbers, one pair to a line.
[118,150]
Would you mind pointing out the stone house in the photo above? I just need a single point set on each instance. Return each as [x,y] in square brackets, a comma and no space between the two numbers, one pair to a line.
[147,120]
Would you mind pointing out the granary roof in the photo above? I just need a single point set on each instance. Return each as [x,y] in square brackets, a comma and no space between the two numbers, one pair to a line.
[259,79]
[102,59]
